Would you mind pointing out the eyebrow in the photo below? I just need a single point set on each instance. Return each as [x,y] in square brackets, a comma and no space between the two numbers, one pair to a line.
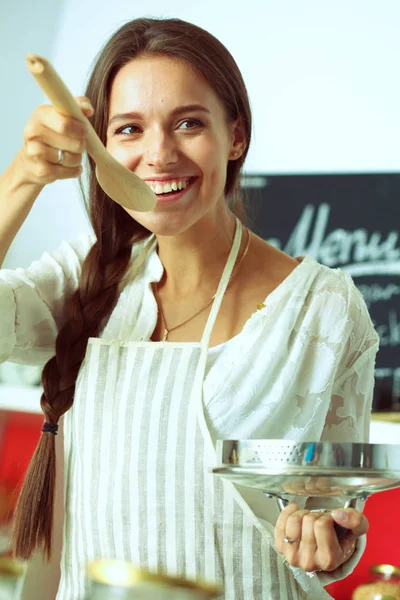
[177,111]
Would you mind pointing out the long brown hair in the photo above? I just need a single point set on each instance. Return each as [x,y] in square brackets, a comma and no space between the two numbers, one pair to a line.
[91,305]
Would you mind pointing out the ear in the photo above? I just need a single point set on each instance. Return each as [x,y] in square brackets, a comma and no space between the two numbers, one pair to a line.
[238,140]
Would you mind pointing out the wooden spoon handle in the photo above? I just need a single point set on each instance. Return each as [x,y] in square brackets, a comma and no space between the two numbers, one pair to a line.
[62,99]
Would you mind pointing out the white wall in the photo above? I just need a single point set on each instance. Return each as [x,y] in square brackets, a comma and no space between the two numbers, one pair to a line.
[24,26]
[27,26]
[322,77]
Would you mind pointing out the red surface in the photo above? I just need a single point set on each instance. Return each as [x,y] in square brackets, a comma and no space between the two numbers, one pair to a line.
[383,542]
[20,432]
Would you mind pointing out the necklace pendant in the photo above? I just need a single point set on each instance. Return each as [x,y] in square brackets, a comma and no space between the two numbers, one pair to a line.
[165,335]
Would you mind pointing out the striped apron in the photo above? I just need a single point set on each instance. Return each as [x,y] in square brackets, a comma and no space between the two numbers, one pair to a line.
[138,487]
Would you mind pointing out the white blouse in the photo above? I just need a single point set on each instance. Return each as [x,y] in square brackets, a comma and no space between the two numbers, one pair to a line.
[302,368]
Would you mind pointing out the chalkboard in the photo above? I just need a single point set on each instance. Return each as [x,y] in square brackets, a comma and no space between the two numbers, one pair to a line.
[347,221]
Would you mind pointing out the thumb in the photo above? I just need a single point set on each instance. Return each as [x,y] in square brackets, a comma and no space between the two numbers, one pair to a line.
[85,105]
[351,519]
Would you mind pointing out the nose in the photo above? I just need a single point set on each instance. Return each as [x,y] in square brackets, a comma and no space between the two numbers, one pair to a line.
[160,149]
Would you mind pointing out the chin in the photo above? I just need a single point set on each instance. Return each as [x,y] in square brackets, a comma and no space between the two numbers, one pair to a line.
[168,224]
[162,225]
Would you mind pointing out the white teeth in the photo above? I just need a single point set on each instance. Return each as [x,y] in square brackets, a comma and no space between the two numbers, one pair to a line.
[159,188]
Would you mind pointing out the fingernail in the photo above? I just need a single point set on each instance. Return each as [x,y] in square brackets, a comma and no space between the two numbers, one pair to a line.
[341,515]
[87,105]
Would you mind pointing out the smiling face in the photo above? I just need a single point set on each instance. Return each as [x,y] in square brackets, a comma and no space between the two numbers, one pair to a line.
[168,126]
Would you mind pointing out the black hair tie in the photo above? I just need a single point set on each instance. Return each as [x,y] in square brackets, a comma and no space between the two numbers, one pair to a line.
[50,428]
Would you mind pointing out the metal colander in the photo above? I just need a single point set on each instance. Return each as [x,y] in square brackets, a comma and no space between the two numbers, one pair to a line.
[284,468]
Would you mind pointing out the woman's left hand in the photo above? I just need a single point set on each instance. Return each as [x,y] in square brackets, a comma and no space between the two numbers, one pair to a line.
[314,545]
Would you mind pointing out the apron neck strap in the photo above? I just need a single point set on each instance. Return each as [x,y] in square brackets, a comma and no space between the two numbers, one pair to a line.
[223,284]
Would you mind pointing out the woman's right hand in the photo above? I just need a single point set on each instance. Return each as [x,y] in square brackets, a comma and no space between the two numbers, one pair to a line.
[47,132]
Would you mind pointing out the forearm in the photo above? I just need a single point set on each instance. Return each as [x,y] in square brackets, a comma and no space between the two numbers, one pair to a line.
[17,197]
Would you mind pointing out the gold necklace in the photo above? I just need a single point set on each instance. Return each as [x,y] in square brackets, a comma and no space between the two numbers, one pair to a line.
[163,323]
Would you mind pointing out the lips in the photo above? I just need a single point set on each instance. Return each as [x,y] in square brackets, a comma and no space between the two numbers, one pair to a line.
[174,195]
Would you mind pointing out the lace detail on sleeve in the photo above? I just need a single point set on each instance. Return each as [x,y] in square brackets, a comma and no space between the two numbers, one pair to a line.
[348,417]
[32,302]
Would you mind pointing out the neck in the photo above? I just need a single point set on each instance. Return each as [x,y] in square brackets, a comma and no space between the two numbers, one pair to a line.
[193,260]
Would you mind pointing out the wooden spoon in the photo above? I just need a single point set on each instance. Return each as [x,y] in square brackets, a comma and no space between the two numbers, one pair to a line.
[123,186]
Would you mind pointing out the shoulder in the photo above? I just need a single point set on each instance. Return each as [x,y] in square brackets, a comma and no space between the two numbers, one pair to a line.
[74,251]
[314,280]
[64,262]
[300,276]
[323,298]
[336,285]
[336,306]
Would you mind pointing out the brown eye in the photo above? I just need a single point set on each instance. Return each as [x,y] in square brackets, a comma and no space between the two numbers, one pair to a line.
[123,130]
[191,123]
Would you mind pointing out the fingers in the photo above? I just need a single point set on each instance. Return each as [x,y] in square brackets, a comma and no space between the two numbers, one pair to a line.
[49,131]
[311,540]
[43,164]
[45,172]
[332,552]
[294,525]
[329,552]
[308,544]
[280,527]
[358,524]
[43,152]
[58,132]
[351,519]
[298,526]
[47,116]
[85,105]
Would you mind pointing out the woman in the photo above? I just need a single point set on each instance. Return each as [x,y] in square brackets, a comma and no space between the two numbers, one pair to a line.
[172,329]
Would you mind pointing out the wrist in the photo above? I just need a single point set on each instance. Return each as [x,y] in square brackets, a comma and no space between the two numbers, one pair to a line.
[17,196]
[17,181]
